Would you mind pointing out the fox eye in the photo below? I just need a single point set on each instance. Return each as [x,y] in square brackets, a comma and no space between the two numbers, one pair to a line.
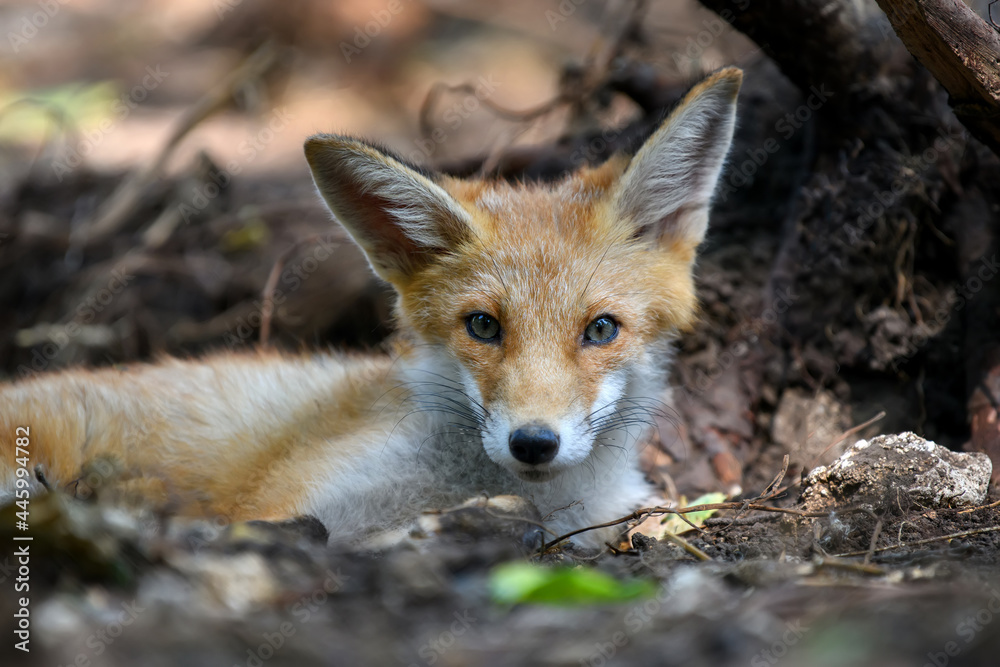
[483,327]
[601,330]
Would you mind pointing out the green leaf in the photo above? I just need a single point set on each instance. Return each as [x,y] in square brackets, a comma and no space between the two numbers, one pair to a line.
[82,106]
[676,525]
[254,233]
[525,583]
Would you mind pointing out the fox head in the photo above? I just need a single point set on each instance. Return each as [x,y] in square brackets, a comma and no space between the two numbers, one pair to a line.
[550,298]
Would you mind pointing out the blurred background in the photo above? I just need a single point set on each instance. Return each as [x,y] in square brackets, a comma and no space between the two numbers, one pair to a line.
[175,129]
[154,200]
[154,197]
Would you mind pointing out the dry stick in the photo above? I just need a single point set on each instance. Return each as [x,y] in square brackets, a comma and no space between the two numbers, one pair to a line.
[776,481]
[929,540]
[526,115]
[267,307]
[981,507]
[688,522]
[962,51]
[688,547]
[587,88]
[762,508]
[657,511]
[162,228]
[123,202]
[594,78]
[871,546]
[638,514]
[741,505]
[833,562]
[846,434]
[768,493]
[512,115]
[722,522]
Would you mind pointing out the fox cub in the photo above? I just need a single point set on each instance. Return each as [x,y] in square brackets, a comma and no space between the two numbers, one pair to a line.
[535,327]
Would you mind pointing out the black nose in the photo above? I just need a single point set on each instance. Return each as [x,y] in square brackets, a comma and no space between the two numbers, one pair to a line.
[534,445]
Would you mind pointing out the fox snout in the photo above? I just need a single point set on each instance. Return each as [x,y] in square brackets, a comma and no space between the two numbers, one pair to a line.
[534,444]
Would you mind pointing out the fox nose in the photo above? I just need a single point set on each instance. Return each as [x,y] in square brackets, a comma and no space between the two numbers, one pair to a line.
[534,444]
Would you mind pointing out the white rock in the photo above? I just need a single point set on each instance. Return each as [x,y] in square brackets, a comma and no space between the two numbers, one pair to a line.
[896,468]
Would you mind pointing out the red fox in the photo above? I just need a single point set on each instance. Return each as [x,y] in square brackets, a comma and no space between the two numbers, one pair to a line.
[535,326]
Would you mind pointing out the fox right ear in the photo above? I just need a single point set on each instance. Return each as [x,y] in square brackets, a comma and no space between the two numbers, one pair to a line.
[400,217]
[667,187]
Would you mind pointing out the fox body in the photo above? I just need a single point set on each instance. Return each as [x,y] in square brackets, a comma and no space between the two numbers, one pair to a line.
[535,328]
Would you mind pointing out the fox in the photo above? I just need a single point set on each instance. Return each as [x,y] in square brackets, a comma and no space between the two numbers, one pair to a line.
[535,324]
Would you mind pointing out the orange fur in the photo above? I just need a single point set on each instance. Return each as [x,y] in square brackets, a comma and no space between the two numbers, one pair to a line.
[541,409]
[163,422]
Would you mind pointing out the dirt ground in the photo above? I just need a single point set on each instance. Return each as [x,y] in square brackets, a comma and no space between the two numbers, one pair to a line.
[154,198]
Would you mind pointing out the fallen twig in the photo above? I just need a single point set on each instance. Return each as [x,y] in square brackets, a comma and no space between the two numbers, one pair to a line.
[123,201]
[777,479]
[846,434]
[645,512]
[981,507]
[688,547]
[962,51]
[267,294]
[755,503]
[874,541]
[834,562]
[929,540]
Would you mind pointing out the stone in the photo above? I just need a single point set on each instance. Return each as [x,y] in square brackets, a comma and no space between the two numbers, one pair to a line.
[902,469]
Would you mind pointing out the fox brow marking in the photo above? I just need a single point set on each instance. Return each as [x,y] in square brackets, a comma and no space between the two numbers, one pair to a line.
[499,272]
[594,272]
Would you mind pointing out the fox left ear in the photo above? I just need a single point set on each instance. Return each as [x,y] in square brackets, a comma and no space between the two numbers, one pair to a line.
[399,216]
[667,187]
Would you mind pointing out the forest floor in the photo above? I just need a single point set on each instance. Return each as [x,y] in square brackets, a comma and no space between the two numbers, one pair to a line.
[122,239]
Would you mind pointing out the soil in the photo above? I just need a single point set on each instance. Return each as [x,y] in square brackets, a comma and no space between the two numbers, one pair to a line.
[151,590]
[810,337]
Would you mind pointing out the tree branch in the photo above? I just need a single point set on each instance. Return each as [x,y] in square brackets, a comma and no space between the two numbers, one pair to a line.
[962,51]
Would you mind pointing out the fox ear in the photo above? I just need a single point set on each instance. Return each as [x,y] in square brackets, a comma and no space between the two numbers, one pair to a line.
[667,186]
[400,217]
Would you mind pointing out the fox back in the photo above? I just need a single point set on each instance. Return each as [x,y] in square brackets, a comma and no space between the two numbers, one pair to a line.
[535,326]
